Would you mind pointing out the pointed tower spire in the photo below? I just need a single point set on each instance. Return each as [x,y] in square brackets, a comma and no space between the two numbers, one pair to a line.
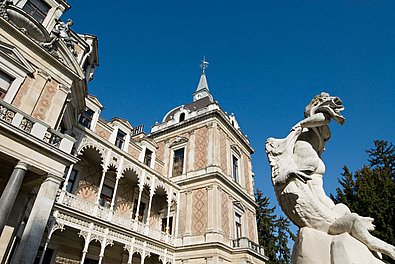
[202,88]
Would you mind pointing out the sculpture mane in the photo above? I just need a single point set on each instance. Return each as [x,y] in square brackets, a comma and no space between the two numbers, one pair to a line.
[297,176]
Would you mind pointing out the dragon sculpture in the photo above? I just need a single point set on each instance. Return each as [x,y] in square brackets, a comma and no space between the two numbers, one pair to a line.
[297,177]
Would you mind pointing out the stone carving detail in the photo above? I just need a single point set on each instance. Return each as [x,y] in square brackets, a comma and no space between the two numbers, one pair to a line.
[6,114]
[199,219]
[3,8]
[62,260]
[90,143]
[61,31]
[225,214]
[201,148]
[26,125]
[297,171]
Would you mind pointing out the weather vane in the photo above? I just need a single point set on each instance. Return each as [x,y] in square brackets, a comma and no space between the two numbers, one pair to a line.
[204,64]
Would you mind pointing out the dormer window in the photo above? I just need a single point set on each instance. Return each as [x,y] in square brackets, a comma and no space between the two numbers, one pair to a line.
[37,9]
[182,117]
[5,83]
[120,140]
[86,118]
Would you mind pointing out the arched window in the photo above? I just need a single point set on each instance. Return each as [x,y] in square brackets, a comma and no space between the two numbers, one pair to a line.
[182,117]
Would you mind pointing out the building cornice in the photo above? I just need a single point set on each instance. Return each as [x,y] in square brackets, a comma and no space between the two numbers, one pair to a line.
[213,113]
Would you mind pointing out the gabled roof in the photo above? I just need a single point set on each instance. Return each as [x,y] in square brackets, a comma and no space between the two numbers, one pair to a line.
[96,101]
[123,121]
[13,54]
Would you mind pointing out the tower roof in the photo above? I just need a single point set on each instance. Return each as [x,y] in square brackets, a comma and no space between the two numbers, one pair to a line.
[202,90]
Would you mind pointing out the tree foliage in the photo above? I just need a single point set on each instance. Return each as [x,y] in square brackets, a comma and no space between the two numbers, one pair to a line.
[370,191]
[273,231]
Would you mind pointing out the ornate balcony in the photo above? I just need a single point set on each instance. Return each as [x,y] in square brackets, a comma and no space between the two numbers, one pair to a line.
[245,243]
[13,118]
[104,214]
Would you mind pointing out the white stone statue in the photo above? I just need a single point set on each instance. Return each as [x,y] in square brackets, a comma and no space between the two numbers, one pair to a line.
[297,172]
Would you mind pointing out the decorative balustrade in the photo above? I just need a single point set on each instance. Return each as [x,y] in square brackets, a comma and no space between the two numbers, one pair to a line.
[105,214]
[245,243]
[35,127]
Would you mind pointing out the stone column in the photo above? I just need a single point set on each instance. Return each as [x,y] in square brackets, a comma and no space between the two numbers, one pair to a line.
[12,224]
[151,194]
[10,192]
[37,221]
[115,192]
[169,199]
[136,217]
[211,211]
[87,240]
[103,176]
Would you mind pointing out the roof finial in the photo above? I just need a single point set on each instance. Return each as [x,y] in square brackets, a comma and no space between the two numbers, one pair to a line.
[204,64]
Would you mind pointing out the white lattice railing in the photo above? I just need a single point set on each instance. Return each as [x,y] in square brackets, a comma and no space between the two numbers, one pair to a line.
[38,129]
[245,243]
[105,214]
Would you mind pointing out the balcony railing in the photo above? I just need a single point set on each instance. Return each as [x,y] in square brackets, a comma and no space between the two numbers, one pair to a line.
[105,214]
[35,127]
[245,243]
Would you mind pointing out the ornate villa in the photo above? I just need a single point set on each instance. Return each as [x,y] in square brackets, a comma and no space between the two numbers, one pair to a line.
[76,188]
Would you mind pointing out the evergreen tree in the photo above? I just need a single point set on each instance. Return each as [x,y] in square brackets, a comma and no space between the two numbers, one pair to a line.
[370,191]
[273,231]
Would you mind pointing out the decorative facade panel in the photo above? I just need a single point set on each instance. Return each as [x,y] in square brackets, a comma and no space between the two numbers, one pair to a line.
[223,155]
[45,101]
[199,216]
[182,214]
[133,152]
[23,91]
[201,143]
[102,132]
[225,214]
[247,175]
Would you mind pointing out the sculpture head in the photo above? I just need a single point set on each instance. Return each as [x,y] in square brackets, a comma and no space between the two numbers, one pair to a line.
[328,105]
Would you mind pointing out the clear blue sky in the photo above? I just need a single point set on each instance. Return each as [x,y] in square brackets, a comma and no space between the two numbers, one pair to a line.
[267,60]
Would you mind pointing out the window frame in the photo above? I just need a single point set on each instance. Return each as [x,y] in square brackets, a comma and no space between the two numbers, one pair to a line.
[119,140]
[3,92]
[183,147]
[35,9]
[238,225]
[72,182]
[83,117]
[235,168]
[148,159]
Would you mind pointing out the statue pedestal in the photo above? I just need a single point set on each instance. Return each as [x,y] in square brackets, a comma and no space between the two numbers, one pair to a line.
[316,247]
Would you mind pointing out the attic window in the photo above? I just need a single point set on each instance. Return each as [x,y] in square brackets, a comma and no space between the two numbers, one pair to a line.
[182,117]
[86,117]
[148,157]
[37,9]
[120,140]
